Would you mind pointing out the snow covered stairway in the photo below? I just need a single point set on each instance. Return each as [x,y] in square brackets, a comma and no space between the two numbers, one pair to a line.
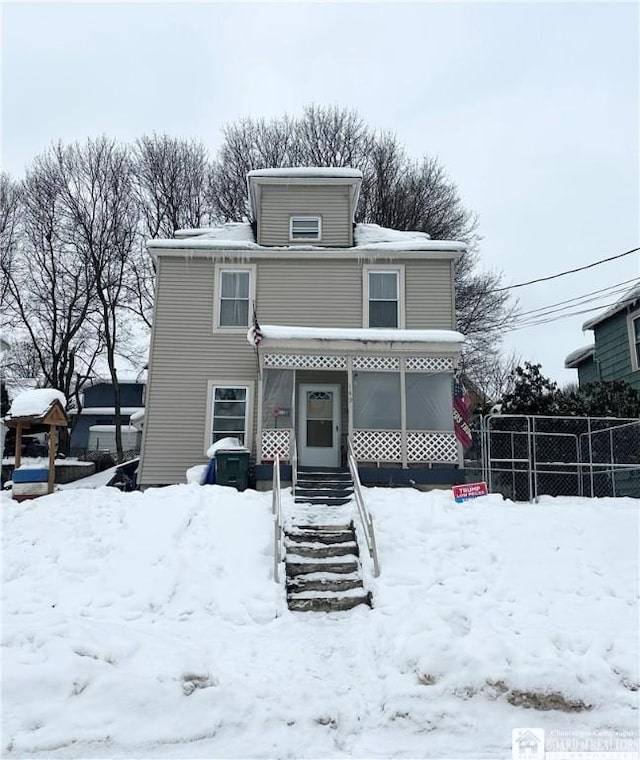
[323,486]
[323,569]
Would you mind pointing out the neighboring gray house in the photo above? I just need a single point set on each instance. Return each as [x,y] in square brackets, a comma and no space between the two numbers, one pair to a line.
[358,338]
[94,428]
[615,352]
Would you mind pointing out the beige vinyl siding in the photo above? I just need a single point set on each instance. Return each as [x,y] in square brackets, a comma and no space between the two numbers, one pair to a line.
[185,356]
[428,295]
[312,293]
[280,202]
[187,353]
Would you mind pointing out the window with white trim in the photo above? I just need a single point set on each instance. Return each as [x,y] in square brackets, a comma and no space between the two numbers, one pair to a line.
[383,307]
[235,294]
[305,228]
[634,337]
[229,412]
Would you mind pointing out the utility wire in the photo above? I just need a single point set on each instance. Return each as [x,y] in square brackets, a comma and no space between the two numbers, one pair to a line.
[568,271]
[542,319]
[604,293]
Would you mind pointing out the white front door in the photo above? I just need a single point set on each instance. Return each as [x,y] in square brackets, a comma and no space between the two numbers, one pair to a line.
[319,425]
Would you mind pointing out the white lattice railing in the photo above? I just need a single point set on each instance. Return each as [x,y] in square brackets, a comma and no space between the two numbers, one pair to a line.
[431,447]
[421,446]
[377,445]
[275,442]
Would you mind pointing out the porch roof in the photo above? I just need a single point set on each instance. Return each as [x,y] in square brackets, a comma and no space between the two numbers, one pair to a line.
[274,334]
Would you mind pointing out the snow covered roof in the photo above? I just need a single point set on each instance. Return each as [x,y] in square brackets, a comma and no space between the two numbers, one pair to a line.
[35,403]
[124,376]
[370,335]
[629,298]
[579,355]
[367,237]
[308,171]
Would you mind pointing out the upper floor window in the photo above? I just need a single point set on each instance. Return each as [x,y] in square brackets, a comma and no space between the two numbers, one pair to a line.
[305,228]
[383,297]
[235,294]
[634,337]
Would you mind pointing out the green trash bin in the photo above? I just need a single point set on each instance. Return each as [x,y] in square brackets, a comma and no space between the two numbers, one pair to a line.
[232,468]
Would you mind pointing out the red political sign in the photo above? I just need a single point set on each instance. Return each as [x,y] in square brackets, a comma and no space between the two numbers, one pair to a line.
[469,491]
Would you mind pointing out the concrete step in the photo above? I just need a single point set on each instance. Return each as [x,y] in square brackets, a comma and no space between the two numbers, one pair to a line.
[330,492]
[300,567]
[327,475]
[308,583]
[327,603]
[329,550]
[327,501]
[321,537]
[324,483]
[336,528]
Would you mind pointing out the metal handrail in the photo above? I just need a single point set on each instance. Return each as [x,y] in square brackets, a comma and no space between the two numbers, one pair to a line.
[293,459]
[365,516]
[276,508]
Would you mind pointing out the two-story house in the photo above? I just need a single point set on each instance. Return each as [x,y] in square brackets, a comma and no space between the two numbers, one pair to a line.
[615,352]
[93,427]
[357,338]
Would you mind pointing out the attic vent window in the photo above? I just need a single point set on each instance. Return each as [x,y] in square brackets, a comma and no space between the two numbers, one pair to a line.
[305,228]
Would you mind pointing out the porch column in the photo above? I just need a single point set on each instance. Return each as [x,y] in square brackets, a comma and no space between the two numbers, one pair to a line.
[18,451]
[53,445]
[350,398]
[403,414]
[259,385]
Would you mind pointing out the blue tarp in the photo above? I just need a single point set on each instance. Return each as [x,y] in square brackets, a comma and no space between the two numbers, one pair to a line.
[210,475]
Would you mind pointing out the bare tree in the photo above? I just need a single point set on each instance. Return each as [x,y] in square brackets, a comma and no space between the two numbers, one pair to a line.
[49,292]
[10,212]
[169,182]
[101,223]
[396,192]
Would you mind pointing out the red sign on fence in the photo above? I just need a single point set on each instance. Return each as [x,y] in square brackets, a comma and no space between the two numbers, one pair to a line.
[469,491]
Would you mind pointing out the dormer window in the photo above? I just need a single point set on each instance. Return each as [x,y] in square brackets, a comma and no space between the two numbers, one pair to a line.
[305,228]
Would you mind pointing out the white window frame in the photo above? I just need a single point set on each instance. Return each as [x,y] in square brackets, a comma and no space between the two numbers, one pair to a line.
[366,271]
[300,217]
[249,387]
[219,269]
[633,345]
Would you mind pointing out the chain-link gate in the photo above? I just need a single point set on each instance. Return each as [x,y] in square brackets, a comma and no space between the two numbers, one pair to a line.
[526,456]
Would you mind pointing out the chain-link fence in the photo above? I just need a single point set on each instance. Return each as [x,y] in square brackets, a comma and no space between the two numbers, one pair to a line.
[526,456]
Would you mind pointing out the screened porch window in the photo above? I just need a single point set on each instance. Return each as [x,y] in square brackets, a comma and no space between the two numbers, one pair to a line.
[305,228]
[429,401]
[235,288]
[384,301]
[229,413]
[376,401]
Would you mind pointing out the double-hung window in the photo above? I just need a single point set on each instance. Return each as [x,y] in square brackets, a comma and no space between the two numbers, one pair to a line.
[229,412]
[305,228]
[383,306]
[235,294]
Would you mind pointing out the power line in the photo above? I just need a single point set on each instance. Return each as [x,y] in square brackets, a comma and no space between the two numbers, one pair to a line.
[584,298]
[542,319]
[568,271]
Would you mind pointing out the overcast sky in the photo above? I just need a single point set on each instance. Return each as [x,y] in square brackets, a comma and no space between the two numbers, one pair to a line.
[532,108]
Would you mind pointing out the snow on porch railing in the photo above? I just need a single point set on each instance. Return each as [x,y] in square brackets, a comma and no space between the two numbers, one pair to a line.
[276,508]
[363,512]
[275,442]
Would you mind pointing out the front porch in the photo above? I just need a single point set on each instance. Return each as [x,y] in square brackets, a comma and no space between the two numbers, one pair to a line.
[390,397]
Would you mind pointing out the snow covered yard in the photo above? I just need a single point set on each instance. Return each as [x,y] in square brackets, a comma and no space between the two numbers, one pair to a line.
[147,625]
